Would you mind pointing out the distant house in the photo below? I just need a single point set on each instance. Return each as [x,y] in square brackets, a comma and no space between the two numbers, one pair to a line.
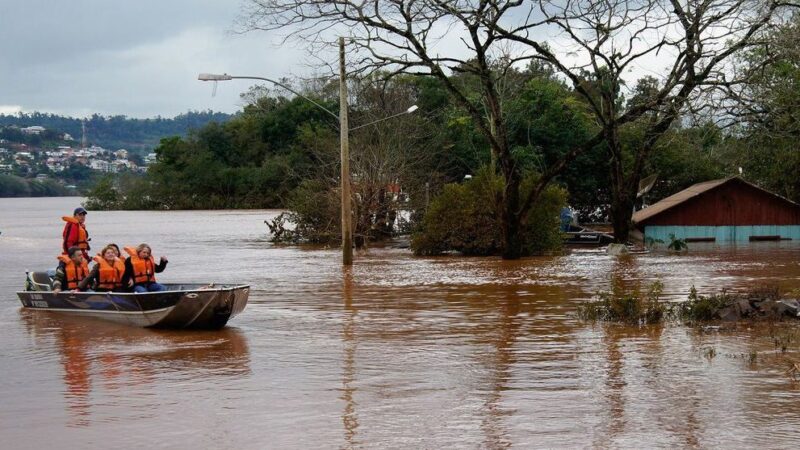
[126,163]
[121,154]
[32,130]
[99,164]
[726,210]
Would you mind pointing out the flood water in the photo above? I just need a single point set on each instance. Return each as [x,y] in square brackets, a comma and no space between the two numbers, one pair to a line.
[400,352]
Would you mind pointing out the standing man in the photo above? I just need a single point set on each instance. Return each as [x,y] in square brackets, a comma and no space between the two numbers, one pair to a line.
[75,234]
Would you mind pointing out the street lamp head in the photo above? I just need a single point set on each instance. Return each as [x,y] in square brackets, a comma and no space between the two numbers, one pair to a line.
[412,108]
[214,77]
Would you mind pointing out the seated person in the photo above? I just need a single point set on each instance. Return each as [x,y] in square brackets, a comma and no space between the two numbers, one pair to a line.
[117,253]
[106,274]
[141,270]
[72,269]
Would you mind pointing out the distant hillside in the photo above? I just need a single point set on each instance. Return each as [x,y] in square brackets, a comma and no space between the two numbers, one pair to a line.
[115,132]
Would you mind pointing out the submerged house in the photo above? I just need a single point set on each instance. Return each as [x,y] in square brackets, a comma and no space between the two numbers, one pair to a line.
[726,210]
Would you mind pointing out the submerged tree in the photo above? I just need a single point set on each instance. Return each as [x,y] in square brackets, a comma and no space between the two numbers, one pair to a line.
[405,37]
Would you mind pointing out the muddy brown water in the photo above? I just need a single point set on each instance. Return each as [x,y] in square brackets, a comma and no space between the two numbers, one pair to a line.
[400,352]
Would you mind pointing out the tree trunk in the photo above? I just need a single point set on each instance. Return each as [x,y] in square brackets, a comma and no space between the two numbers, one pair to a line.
[511,219]
[621,211]
[512,230]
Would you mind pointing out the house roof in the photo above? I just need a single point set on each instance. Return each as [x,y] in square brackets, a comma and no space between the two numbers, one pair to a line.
[690,193]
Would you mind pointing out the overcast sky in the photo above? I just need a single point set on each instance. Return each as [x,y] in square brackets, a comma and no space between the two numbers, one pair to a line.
[138,58]
[141,58]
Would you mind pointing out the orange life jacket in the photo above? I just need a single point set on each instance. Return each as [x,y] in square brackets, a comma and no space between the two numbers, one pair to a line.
[82,235]
[73,273]
[109,276]
[144,270]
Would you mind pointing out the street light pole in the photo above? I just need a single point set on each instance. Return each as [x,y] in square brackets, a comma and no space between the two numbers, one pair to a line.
[344,131]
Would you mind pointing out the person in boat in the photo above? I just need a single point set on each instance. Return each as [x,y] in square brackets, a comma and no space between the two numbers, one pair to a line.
[141,269]
[115,247]
[75,234]
[72,269]
[106,274]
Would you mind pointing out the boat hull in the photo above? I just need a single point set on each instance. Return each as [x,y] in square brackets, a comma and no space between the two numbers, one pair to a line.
[180,306]
[579,236]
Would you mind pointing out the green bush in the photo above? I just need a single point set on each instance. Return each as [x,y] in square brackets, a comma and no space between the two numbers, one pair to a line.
[104,195]
[699,308]
[314,212]
[465,217]
[628,307]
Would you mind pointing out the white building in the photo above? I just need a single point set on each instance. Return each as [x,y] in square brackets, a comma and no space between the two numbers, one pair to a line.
[99,164]
[36,129]
[121,154]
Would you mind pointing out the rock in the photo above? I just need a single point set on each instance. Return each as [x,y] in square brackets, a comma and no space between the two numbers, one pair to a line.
[729,313]
[617,249]
[787,308]
[744,308]
[778,308]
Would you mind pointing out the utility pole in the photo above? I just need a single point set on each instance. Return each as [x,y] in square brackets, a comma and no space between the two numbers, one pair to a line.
[83,134]
[344,131]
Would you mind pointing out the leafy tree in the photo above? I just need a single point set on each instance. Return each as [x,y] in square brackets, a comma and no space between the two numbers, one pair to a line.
[464,218]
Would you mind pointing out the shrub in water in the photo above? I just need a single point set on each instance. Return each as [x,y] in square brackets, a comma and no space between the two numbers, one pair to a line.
[700,308]
[628,307]
[465,218]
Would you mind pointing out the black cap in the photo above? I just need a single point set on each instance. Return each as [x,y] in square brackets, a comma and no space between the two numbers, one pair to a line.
[79,210]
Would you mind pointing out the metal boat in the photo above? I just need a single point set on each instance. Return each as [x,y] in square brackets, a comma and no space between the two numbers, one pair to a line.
[203,306]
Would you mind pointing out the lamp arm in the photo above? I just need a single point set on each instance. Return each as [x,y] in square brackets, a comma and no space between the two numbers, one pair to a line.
[381,120]
[290,90]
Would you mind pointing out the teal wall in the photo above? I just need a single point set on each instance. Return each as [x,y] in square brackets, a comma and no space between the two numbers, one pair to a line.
[722,233]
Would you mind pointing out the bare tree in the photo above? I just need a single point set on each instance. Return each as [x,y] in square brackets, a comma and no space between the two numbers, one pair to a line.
[597,43]
[412,37]
[386,158]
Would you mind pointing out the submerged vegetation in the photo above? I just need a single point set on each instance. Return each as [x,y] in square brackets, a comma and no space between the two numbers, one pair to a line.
[634,308]
[629,307]
[464,218]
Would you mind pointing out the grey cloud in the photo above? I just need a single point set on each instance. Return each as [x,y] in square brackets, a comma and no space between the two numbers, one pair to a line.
[124,57]
[41,31]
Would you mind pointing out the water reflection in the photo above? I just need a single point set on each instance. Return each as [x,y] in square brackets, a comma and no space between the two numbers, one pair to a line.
[349,339]
[498,369]
[102,364]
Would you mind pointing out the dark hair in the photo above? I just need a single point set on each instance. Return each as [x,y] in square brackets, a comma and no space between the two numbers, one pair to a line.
[71,251]
[111,247]
[114,246]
